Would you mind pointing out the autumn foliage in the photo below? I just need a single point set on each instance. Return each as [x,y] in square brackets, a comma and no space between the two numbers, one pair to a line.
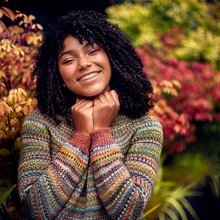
[18,45]
[186,92]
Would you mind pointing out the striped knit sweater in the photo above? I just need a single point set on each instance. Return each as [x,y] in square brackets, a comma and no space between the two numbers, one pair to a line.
[59,179]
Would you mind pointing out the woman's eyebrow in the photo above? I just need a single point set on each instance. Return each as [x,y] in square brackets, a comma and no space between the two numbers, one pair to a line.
[66,52]
[72,51]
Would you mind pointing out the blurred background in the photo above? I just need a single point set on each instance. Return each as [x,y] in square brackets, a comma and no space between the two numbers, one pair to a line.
[179,43]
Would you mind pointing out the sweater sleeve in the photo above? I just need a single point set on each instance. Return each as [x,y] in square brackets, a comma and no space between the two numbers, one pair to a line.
[125,184]
[46,184]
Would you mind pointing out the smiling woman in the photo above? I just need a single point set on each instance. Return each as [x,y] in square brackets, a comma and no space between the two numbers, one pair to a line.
[91,151]
[85,69]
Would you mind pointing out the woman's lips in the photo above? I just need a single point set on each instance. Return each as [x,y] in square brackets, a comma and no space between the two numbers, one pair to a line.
[88,76]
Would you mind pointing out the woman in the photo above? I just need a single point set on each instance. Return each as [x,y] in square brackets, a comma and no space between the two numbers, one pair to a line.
[91,151]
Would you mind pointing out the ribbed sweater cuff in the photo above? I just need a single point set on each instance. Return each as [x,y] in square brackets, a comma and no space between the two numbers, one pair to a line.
[81,140]
[101,137]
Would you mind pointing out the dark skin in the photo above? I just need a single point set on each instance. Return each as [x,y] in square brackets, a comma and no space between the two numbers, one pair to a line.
[86,71]
[91,115]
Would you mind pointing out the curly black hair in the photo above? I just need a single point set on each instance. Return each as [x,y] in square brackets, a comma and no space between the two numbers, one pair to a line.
[128,79]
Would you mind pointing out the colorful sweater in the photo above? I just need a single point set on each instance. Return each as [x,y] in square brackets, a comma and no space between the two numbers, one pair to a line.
[59,178]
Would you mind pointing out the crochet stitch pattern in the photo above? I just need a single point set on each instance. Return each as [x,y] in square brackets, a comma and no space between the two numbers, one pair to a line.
[59,179]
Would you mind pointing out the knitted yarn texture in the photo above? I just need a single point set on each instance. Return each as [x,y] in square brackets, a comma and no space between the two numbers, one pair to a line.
[59,178]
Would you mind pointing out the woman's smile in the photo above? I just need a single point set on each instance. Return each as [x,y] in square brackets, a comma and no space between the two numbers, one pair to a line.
[88,76]
[85,69]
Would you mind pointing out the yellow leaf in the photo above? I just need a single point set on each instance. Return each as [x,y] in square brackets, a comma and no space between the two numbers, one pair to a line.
[2,134]
[29,39]
[13,115]
[10,98]
[31,17]
[176,83]
[20,115]
[4,152]
[29,101]
[2,125]
[18,109]
[2,54]
[12,91]
[8,48]
[21,52]
[17,143]
[13,122]
[35,40]
[22,91]
[21,97]
[4,119]
[15,98]
[39,26]
[2,74]
[17,126]
[34,102]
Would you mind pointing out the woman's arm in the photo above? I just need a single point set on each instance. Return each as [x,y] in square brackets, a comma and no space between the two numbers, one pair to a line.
[125,184]
[45,185]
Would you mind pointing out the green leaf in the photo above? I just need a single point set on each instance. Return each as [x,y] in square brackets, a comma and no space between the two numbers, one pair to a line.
[178,207]
[151,210]
[6,194]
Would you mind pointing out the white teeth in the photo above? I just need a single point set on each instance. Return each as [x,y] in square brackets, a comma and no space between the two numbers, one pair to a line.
[88,76]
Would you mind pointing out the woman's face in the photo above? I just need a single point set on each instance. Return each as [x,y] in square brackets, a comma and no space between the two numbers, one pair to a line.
[85,70]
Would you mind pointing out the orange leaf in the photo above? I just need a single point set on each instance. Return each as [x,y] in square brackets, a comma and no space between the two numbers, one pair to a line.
[9,13]
[25,110]
[2,26]
[31,108]
[5,109]
[1,13]
[20,23]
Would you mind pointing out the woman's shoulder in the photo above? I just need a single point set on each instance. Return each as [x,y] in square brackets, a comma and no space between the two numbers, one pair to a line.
[146,119]
[146,122]
[38,118]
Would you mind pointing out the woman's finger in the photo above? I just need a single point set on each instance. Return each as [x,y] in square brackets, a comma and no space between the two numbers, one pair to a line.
[115,97]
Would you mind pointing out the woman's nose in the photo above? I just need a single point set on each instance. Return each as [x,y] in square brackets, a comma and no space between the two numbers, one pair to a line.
[83,62]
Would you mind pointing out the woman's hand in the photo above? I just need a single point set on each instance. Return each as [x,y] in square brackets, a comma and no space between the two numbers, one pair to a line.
[106,108]
[82,116]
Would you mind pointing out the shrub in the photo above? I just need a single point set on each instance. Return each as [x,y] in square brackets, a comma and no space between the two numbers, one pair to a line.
[199,36]
[17,48]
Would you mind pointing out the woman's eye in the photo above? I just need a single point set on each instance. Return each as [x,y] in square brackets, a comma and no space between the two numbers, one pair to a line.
[67,61]
[93,51]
